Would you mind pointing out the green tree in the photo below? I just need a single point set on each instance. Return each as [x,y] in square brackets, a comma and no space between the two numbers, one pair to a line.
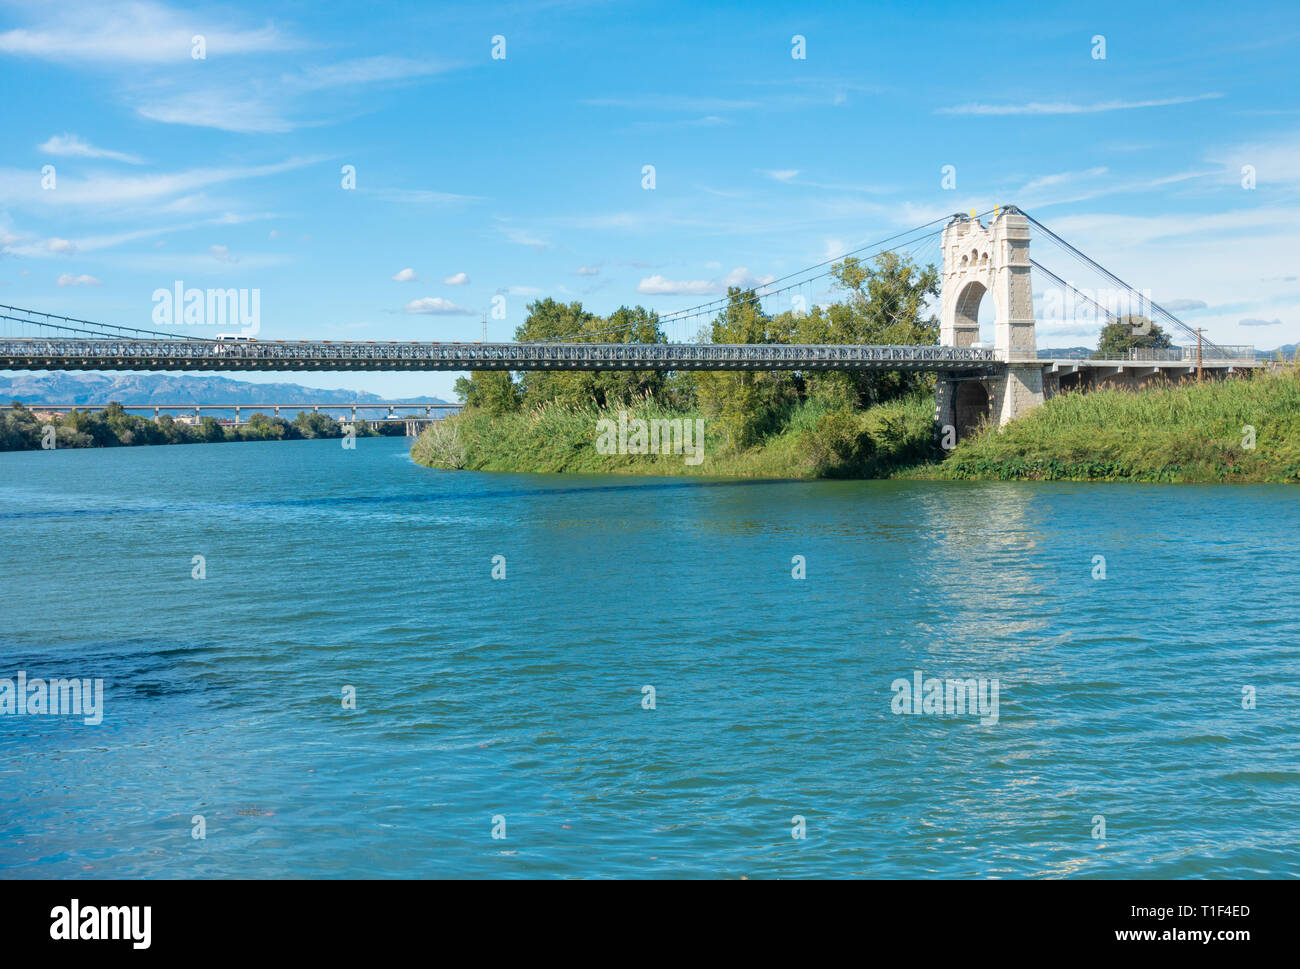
[746,404]
[491,390]
[1129,333]
[316,425]
[210,430]
[263,428]
[885,303]
[552,321]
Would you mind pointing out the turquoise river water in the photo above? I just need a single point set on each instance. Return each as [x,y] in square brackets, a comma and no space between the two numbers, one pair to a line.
[1145,723]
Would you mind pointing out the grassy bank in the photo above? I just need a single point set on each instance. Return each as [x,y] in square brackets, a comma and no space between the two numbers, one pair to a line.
[812,441]
[1192,432]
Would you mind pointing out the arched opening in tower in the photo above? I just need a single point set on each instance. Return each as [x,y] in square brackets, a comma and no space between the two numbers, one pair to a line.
[976,313]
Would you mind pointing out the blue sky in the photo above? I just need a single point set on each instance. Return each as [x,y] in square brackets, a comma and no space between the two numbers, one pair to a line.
[522,176]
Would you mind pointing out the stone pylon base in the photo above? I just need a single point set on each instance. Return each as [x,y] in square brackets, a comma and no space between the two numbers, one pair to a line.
[1016,392]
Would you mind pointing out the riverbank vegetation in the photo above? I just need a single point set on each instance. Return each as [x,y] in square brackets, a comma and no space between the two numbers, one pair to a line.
[770,424]
[22,429]
[1244,428]
[865,424]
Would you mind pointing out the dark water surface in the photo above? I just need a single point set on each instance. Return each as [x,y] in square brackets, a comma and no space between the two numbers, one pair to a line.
[521,699]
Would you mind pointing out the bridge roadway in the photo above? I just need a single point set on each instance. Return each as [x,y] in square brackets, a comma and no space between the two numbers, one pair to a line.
[34,353]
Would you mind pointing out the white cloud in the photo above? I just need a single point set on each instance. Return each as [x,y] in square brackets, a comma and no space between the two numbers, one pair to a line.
[1066,107]
[459,279]
[139,32]
[67,279]
[1253,321]
[68,145]
[1177,305]
[60,245]
[587,271]
[658,285]
[745,279]
[405,275]
[222,254]
[436,306]
[780,174]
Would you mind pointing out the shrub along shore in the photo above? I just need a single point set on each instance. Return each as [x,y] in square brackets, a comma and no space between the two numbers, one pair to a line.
[1243,429]
[23,430]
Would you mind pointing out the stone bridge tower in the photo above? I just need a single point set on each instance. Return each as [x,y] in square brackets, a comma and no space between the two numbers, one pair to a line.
[992,260]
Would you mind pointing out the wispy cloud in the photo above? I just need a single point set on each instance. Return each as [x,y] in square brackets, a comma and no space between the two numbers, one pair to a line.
[710,121]
[242,112]
[140,32]
[1067,107]
[1061,178]
[417,196]
[363,70]
[17,187]
[71,146]
[522,237]
[668,102]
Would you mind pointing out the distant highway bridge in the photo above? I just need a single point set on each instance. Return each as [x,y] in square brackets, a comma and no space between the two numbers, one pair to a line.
[390,409]
[413,420]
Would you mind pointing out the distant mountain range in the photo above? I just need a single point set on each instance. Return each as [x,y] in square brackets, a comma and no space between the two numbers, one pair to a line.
[1066,353]
[1084,353]
[1289,350]
[159,388]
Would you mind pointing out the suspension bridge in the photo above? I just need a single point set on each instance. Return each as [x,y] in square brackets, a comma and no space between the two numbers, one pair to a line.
[975,381]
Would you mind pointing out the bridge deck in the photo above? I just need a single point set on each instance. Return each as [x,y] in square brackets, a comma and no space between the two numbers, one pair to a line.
[111,354]
[91,354]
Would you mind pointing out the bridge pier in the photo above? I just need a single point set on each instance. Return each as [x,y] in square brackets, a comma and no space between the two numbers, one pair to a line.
[1016,392]
[964,403]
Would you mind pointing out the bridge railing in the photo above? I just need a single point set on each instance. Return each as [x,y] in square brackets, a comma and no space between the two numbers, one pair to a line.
[1189,353]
